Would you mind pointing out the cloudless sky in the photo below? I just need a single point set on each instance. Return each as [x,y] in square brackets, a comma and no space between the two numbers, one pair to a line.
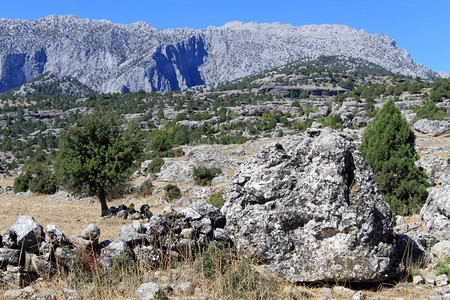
[422,27]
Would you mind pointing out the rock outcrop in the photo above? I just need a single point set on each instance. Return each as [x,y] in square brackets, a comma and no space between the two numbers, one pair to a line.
[111,57]
[312,212]
[436,213]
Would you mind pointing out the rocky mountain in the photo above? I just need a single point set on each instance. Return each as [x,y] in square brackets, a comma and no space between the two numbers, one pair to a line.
[110,57]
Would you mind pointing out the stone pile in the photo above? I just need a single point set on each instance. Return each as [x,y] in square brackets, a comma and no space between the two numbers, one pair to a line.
[175,232]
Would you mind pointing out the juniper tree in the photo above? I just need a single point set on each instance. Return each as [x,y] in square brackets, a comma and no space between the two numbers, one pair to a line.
[95,156]
[388,145]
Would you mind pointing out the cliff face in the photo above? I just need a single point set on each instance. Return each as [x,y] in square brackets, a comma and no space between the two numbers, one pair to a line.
[113,57]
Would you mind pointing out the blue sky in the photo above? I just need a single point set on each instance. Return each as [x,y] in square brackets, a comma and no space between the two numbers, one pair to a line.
[422,27]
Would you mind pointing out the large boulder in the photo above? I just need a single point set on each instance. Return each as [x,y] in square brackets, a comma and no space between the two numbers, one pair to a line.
[433,127]
[312,212]
[29,233]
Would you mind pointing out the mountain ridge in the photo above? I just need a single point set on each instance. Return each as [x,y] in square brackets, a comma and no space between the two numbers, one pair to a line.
[110,57]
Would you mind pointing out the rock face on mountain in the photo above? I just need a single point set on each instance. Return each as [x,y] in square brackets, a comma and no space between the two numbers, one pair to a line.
[312,212]
[120,58]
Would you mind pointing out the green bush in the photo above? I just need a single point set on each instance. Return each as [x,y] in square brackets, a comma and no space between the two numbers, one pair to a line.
[443,268]
[155,165]
[204,176]
[216,200]
[388,145]
[22,182]
[44,183]
[216,259]
[332,121]
[172,192]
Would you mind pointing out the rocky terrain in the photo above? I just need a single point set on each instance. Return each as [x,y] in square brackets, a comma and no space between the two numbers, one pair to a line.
[305,205]
[111,57]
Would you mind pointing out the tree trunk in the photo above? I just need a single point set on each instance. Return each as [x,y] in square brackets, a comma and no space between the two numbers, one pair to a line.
[104,206]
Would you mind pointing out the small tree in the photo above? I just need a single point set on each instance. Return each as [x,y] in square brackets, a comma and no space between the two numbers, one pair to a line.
[388,145]
[95,156]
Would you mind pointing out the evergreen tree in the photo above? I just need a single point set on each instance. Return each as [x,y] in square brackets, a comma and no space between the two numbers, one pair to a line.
[95,156]
[388,145]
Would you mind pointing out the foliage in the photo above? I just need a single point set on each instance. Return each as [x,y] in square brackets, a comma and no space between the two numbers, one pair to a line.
[430,111]
[22,183]
[332,121]
[155,165]
[216,259]
[216,200]
[145,188]
[204,176]
[96,156]
[388,145]
[443,268]
[36,177]
[172,192]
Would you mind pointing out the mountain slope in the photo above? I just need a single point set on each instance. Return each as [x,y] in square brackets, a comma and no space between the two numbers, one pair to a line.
[120,58]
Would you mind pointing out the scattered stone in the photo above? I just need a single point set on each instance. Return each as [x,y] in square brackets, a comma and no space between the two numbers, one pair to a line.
[71,294]
[326,291]
[56,236]
[441,250]
[359,295]
[46,296]
[184,288]
[441,280]
[30,234]
[148,291]
[343,291]
[91,233]
[13,257]
[418,280]
[9,239]
[116,248]
[43,268]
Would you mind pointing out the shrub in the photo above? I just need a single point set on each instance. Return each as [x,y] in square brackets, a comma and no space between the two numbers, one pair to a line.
[443,268]
[145,188]
[155,165]
[204,176]
[332,121]
[172,192]
[388,145]
[44,183]
[216,200]
[22,182]
[215,260]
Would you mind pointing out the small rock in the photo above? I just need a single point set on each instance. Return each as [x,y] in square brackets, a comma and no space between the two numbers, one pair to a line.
[359,296]
[91,233]
[441,250]
[71,294]
[343,291]
[418,280]
[326,291]
[11,257]
[441,280]
[30,234]
[148,291]
[46,296]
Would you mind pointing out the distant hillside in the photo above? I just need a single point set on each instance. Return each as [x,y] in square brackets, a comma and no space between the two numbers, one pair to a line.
[49,84]
[110,57]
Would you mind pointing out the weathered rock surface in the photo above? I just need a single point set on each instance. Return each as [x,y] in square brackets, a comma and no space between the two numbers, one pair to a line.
[433,127]
[30,234]
[312,212]
[436,213]
[11,257]
[121,58]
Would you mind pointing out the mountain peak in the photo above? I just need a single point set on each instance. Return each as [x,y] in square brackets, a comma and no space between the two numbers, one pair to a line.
[111,57]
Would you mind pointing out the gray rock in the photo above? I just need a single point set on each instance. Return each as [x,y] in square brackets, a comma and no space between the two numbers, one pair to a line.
[148,255]
[91,233]
[433,127]
[184,288]
[56,236]
[148,291]
[9,239]
[30,234]
[418,280]
[71,294]
[441,250]
[43,268]
[12,257]
[312,212]
[45,296]
[441,280]
[436,213]
[132,235]
[115,248]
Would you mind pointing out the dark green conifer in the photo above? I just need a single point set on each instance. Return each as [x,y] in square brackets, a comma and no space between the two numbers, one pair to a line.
[388,145]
